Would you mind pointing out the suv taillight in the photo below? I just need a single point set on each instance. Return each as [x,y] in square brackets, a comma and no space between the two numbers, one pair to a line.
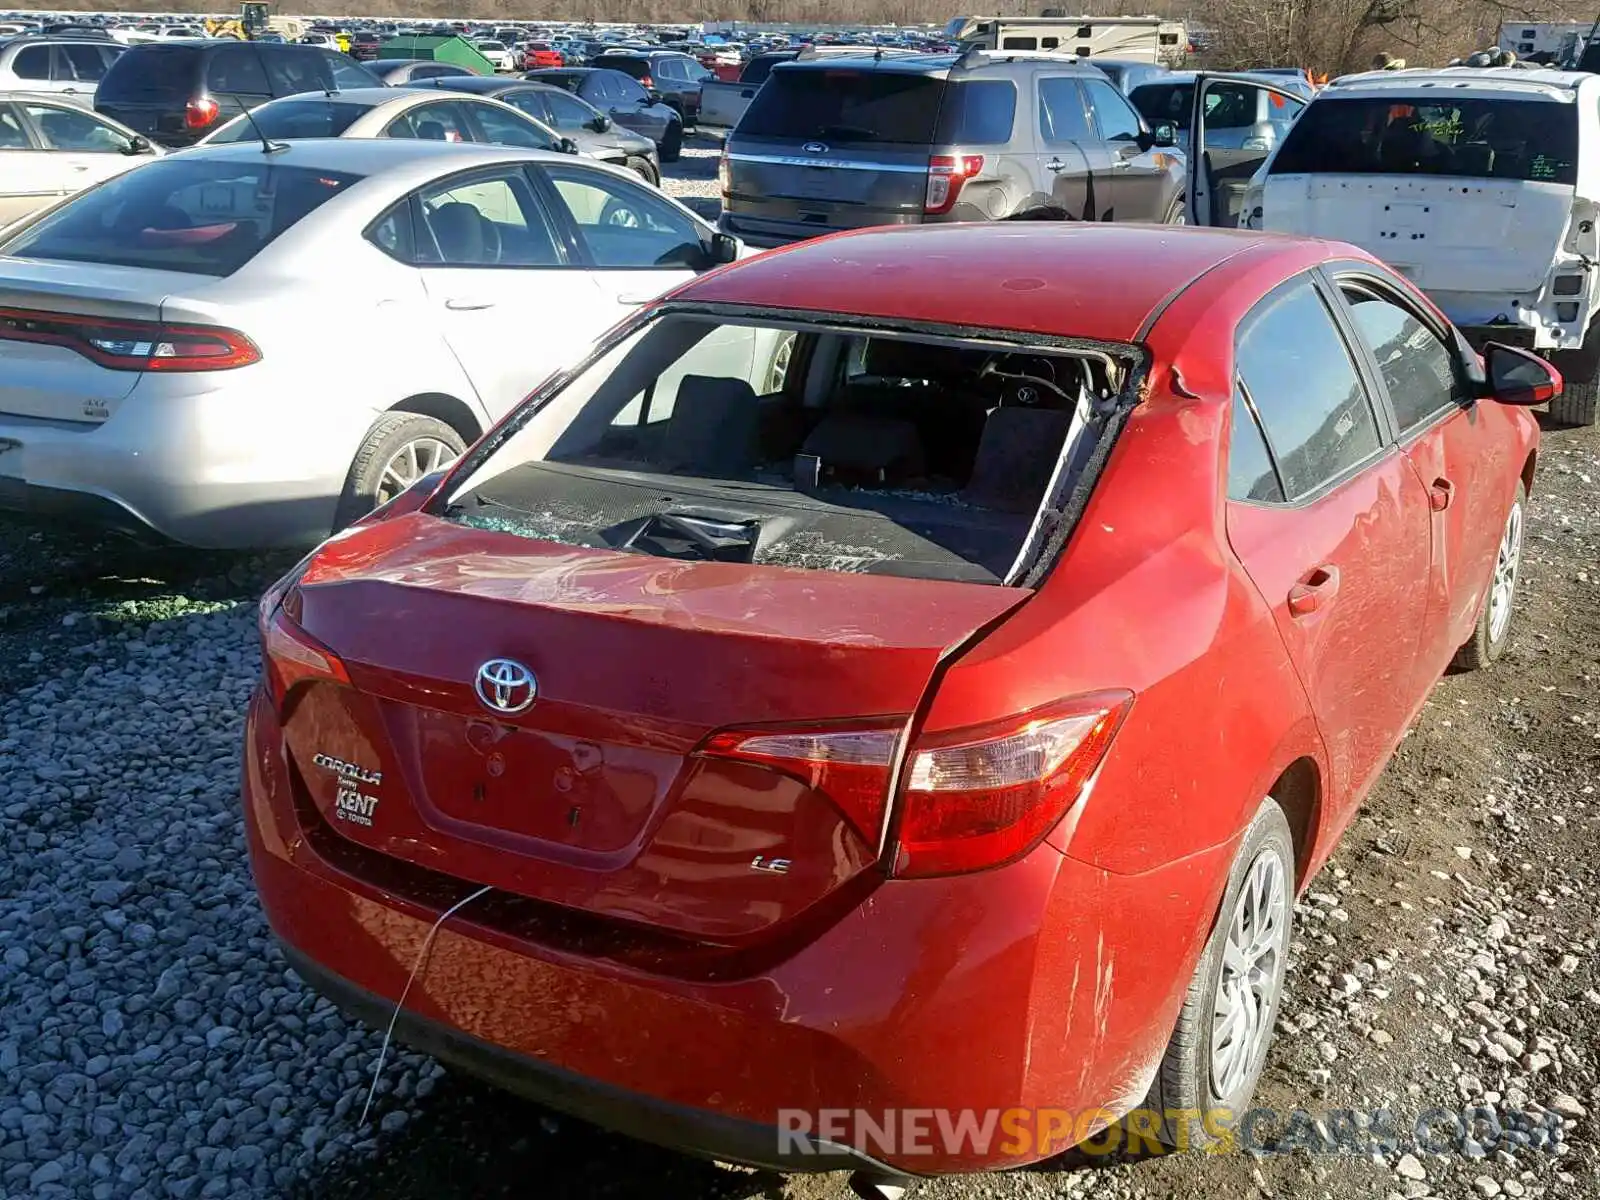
[132,345]
[645,81]
[197,114]
[946,175]
[970,799]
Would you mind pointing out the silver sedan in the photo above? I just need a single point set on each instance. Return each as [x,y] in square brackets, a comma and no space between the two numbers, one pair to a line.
[244,346]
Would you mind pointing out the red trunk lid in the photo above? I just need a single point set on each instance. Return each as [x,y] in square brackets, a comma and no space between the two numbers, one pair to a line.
[591,798]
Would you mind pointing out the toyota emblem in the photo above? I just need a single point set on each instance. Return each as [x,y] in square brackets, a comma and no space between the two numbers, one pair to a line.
[506,686]
[815,147]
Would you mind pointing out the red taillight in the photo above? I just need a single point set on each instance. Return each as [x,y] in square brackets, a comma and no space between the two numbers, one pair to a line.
[850,766]
[946,175]
[289,654]
[197,114]
[970,799]
[646,82]
[132,345]
[978,798]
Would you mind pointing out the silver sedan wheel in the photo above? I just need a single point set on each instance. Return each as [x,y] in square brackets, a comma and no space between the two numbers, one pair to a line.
[422,456]
[1503,590]
[1252,956]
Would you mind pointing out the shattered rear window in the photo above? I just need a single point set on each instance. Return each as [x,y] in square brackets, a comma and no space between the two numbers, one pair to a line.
[817,449]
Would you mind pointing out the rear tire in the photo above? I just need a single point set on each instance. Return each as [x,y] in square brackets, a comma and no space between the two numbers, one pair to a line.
[1212,1065]
[644,170]
[1492,634]
[672,143]
[1580,370]
[399,449]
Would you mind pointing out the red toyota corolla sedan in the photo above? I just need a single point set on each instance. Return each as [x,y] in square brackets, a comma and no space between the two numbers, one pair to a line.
[911,672]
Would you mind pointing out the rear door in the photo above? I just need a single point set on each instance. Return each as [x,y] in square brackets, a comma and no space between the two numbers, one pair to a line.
[512,304]
[81,67]
[294,69]
[1330,521]
[29,179]
[835,147]
[1459,452]
[1074,165]
[1140,182]
[1234,124]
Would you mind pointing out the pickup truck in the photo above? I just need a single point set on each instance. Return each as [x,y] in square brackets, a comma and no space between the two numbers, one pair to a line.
[724,103]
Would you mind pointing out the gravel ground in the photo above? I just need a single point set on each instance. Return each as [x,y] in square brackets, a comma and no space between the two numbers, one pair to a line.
[153,1043]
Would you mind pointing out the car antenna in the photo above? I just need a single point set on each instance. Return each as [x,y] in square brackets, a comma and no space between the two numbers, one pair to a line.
[266,146]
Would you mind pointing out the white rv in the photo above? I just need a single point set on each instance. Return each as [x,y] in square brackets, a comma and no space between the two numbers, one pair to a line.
[1138,39]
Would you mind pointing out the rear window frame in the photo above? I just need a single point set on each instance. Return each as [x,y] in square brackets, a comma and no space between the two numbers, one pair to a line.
[1045,546]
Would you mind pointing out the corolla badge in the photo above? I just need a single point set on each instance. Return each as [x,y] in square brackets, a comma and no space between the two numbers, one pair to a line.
[506,686]
[815,147]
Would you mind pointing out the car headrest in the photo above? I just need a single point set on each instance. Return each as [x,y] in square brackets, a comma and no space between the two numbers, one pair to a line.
[458,229]
[713,426]
[877,449]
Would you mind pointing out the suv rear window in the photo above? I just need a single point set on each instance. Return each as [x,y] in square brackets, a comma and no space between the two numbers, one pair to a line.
[1529,140]
[977,112]
[176,214]
[155,74]
[845,105]
[297,118]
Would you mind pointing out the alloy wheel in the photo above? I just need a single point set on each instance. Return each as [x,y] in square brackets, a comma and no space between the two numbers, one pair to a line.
[1252,958]
[1503,590]
[418,457]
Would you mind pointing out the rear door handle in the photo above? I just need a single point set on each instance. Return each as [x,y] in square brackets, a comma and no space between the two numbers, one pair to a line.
[1055,166]
[468,303]
[1314,591]
[1440,494]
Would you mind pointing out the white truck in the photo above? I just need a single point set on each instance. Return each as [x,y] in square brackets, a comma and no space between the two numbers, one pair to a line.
[1136,39]
[1544,41]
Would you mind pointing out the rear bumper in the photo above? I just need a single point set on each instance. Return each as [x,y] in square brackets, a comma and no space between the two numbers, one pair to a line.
[691,1130]
[1054,983]
[213,461]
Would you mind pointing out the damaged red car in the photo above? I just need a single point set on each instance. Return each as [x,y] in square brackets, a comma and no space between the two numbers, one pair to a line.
[916,647]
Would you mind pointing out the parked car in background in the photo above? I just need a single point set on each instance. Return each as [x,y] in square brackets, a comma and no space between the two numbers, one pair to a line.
[1482,186]
[675,77]
[496,52]
[394,113]
[723,103]
[51,148]
[621,98]
[1240,113]
[868,688]
[177,377]
[536,55]
[594,133]
[177,92]
[849,141]
[1128,74]
[397,72]
[69,66]
[364,46]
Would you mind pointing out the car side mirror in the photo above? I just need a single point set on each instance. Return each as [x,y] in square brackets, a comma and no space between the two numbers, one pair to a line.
[651,96]
[137,145]
[600,124]
[1519,376]
[566,146]
[723,248]
[1164,134]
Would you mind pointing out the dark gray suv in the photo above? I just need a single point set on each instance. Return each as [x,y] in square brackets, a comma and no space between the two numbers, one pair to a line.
[840,141]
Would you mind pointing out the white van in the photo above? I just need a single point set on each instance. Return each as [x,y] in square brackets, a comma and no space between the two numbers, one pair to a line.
[1481,185]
